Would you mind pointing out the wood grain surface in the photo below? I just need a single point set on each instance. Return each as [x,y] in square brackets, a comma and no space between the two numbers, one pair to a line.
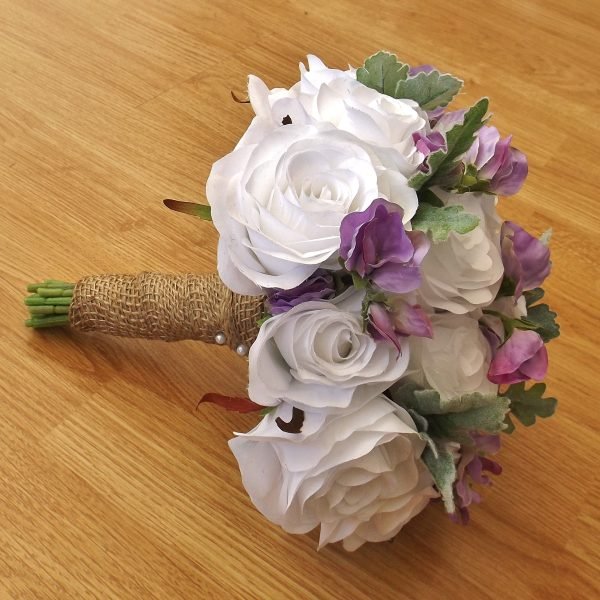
[112,484]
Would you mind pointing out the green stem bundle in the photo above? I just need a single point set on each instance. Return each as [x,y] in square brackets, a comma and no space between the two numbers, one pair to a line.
[49,303]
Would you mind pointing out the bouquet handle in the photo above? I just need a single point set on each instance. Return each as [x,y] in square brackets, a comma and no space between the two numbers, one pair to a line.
[154,306]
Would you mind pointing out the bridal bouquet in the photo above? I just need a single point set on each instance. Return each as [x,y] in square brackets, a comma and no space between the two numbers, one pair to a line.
[391,319]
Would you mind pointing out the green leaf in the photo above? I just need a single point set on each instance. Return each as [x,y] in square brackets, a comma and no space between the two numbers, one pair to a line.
[443,470]
[441,221]
[453,418]
[526,405]
[510,426]
[429,402]
[532,296]
[507,287]
[458,141]
[429,90]
[266,410]
[358,282]
[488,418]
[189,208]
[429,197]
[382,72]
[544,321]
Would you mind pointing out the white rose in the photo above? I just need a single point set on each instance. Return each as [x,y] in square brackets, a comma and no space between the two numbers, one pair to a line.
[317,356]
[455,360]
[336,97]
[278,204]
[465,271]
[358,473]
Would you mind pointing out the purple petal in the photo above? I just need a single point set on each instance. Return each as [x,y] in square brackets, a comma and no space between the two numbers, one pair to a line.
[526,260]
[381,325]
[520,347]
[537,366]
[399,279]
[512,174]
[421,69]
[411,320]
[319,286]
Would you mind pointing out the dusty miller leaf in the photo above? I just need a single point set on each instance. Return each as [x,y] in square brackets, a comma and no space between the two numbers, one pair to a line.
[382,72]
[443,471]
[544,321]
[429,402]
[488,419]
[458,141]
[441,221]
[430,90]
[532,296]
[528,404]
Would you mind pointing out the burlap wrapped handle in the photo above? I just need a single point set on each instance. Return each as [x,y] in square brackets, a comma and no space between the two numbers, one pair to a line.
[166,307]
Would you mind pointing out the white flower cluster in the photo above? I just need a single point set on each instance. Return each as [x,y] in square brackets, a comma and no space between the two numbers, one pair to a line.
[324,149]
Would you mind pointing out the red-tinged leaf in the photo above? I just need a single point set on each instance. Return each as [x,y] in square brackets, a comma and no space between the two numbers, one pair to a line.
[189,208]
[241,405]
[239,99]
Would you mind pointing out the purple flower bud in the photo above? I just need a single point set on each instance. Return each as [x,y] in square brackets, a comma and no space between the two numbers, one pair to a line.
[522,357]
[421,69]
[471,469]
[319,286]
[503,167]
[426,144]
[374,244]
[526,260]
[400,320]
[381,325]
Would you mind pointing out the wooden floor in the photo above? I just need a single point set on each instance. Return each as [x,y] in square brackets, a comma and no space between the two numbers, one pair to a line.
[112,484]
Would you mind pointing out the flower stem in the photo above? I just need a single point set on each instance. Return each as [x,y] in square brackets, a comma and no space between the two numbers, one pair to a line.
[49,303]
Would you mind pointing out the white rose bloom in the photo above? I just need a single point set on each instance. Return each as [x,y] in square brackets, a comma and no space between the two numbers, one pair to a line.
[317,356]
[278,204]
[336,97]
[358,474]
[465,271]
[455,360]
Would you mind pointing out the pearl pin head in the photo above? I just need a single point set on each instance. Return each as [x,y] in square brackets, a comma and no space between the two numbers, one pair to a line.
[220,338]
[241,350]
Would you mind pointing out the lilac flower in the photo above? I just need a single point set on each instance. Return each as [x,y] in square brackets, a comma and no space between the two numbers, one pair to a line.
[426,144]
[374,244]
[522,357]
[401,320]
[319,286]
[526,260]
[420,69]
[472,466]
[503,167]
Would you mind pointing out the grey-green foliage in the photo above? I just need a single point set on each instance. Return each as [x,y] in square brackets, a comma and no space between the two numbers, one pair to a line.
[430,90]
[382,72]
[458,140]
[453,418]
[528,404]
[442,467]
[386,74]
[440,221]
[544,321]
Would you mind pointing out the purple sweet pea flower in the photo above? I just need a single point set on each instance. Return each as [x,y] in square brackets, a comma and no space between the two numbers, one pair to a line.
[503,167]
[426,144]
[319,286]
[472,466]
[374,244]
[399,321]
[526,260]
[420,69]
[522,357]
